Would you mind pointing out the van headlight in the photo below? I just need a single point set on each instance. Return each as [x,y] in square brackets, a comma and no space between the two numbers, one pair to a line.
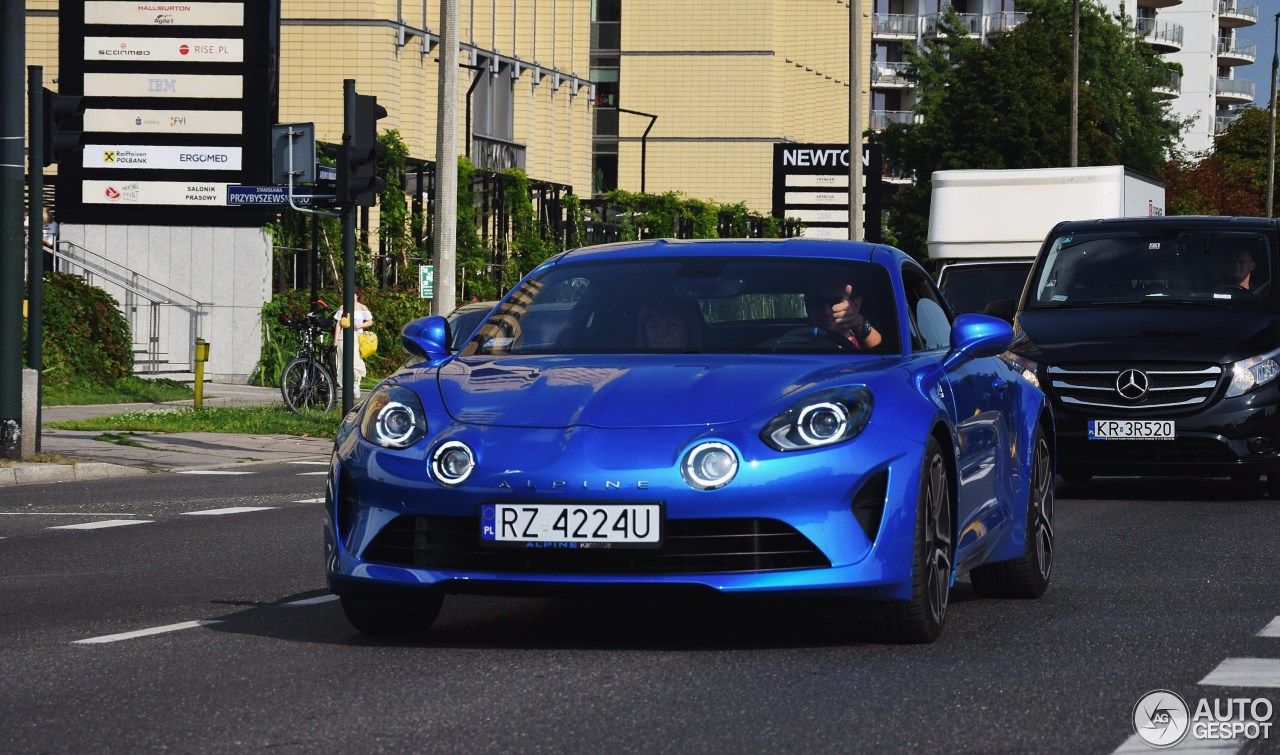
[1253,373]
[393,418]
[820,419]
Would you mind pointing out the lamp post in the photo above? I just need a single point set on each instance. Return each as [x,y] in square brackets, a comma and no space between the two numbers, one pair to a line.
[644,141]
[1271,148]
[1075,83]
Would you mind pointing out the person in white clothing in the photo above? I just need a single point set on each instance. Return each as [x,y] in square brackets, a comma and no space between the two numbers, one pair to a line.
[363,320]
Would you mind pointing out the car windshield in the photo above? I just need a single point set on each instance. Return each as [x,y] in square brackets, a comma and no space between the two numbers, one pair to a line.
[684,305]
[1201,267]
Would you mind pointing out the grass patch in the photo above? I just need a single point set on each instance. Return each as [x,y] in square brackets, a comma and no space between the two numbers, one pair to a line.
[130,389]
[43,458]
[120,439]
[252,420]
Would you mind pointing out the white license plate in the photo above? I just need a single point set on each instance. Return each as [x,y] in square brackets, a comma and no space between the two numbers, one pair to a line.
[1131,429]
[605,524]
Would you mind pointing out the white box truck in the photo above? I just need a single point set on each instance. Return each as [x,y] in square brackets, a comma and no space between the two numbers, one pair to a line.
[985,226]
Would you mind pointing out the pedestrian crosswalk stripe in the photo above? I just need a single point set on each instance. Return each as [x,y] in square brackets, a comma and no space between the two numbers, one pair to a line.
[1272,629]
[211,471]
[1245,672]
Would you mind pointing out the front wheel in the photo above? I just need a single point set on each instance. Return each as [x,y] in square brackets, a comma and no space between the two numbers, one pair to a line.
[921,619]
[1027,576]
[304,384]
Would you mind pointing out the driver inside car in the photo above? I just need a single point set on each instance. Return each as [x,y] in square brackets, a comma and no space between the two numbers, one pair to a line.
[836,307]
[1237,267]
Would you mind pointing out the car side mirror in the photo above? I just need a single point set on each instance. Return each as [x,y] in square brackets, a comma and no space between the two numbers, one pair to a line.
[974,336]
[1002,308]
[426,337]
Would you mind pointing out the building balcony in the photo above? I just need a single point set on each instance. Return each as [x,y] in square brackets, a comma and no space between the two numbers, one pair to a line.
[1221,122]
[1003,21]
[1237,53]
[1234,91]
[880,119]
[1157,4]
[891,75]
[1173,89]
[891,26]
[1232,15]
[1164,36]
[971,23]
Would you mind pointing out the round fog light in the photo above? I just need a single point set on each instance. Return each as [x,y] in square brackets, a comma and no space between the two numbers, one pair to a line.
[452,463]
[709,466]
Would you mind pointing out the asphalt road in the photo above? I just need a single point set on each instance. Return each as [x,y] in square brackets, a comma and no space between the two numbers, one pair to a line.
[212,632]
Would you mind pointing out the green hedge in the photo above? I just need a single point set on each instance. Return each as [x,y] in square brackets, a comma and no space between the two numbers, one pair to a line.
[391,310]
[86,338]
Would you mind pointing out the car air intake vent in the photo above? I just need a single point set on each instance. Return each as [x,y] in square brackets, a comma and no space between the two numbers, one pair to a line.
[690,546]
[1125,386]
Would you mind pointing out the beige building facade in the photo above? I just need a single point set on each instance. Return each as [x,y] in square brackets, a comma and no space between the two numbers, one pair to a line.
[725,85]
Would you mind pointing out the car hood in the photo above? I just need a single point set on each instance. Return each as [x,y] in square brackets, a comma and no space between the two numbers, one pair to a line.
[631,391]
[1195,333]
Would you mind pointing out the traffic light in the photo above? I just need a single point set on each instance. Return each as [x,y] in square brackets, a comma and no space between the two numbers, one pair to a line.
[358,179]
[60,132]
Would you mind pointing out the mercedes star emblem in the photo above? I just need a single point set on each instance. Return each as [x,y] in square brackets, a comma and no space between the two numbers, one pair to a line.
[1132,384]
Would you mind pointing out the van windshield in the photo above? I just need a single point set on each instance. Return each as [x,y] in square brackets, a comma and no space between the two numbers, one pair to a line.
[1233,269]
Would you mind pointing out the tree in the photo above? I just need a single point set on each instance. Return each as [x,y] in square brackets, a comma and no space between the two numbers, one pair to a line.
[1230,180]
[1006,104]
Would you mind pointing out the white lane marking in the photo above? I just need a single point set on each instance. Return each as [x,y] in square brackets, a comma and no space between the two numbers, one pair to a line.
[320,463]
[101,525]
[310,500]
[62,513]
[310,601]
[1272,629]
[304,474]
[228,510]
[211,471]
[1189,746]
[147,632]
[1245,672]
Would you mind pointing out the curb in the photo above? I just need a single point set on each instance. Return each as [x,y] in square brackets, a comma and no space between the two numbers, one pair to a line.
[34,473]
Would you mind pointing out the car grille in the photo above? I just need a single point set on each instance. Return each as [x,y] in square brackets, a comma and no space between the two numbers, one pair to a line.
[691,546]
[1183,451]
[1169,385]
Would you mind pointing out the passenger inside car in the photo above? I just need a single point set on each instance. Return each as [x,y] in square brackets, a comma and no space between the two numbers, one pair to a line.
[671,325]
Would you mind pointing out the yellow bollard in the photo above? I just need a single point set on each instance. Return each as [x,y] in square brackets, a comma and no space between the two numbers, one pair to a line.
[202,356]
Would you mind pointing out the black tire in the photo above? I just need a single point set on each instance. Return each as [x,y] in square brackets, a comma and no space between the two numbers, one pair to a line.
[304,384]
[922,618]
[1029,575]
[408,614]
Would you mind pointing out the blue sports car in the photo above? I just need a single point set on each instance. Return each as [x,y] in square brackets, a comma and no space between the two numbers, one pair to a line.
[762,417]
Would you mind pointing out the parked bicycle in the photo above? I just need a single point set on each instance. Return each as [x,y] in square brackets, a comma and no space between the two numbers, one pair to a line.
[307,380]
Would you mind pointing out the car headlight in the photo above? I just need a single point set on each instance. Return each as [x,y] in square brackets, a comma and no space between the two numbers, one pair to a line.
[1252,373]
[820,419]
[709,465]
[1027,367]
[393,418]
[452,462]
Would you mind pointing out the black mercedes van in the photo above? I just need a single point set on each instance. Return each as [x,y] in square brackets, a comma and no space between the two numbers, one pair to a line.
[1157,340]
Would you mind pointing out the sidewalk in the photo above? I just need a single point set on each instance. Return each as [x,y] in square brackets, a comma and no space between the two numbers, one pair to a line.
[159,452]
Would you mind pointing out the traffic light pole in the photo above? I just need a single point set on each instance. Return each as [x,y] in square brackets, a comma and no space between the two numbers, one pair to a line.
[348,256]
[13,50]
[35,240]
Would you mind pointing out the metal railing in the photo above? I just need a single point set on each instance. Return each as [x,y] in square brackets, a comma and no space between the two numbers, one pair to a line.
[1242,50]
[1160,32]
[1230,8]
[880,119]
[139,291]
[1222,122]
[890,74]
[1235,88]
[894,25]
